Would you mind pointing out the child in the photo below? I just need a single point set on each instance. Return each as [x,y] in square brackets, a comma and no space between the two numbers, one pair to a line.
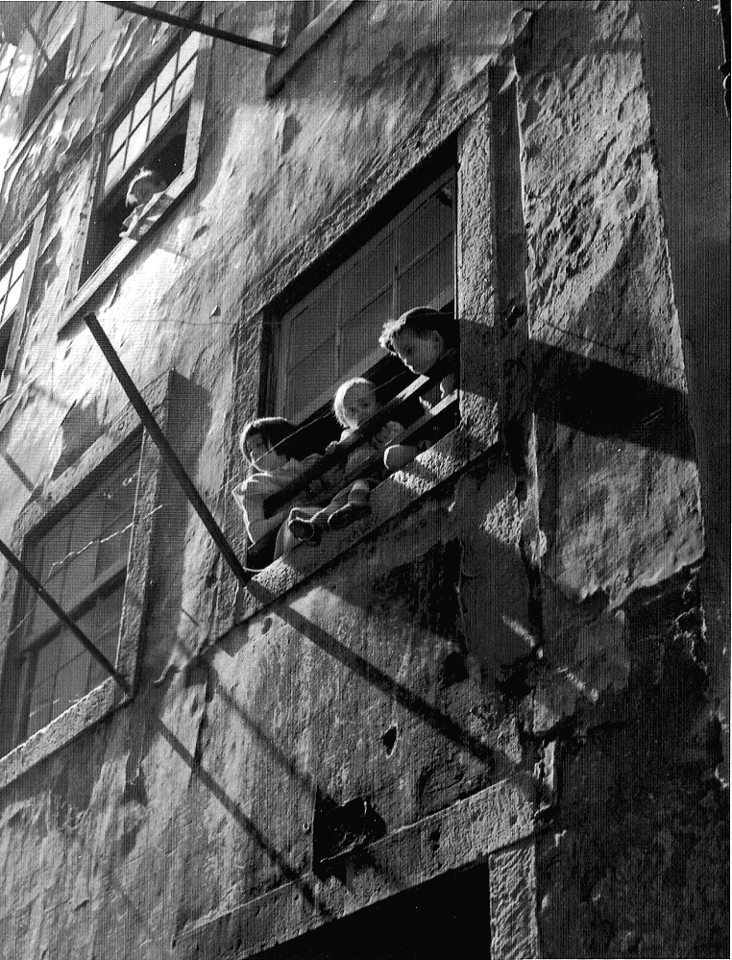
[420,337]
[268,446]
[354,403]
[146,195]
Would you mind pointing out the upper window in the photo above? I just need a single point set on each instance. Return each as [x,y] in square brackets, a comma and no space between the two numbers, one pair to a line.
[332,334]
[82,562]
[50,74]
[144,155]
[12,273]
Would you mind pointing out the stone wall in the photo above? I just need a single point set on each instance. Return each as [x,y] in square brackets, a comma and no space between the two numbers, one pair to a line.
[509,664]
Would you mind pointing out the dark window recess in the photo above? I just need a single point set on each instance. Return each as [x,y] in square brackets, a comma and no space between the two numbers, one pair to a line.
[49,77]
[82,561]
[163,157]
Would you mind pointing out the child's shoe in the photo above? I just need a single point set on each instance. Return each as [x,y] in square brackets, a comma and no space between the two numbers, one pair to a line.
[304,530]
[347,514]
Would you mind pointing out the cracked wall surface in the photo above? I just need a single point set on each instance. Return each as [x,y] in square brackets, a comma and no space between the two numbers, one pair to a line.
[512,665]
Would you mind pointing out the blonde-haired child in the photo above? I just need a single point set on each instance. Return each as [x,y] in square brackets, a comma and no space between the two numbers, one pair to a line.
[354,403]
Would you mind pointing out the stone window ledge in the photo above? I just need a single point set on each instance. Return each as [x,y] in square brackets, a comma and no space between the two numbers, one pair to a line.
[89,710]
[435,469]
[55,498]
[282,65]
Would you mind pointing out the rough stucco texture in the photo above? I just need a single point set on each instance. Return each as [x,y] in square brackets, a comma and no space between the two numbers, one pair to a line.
[384,675]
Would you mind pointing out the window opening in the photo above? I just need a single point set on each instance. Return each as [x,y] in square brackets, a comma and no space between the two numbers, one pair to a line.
[11,287]
[49,76]
[143,154]
[332,334]
[82,561]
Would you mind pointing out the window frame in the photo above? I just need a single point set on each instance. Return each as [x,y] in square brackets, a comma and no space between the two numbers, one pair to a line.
[282,64]
[59,497]
[79,293]
[361,367]
[33,229]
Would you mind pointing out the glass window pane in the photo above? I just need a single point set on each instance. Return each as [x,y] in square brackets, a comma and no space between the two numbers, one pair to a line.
[429,278]
[44,680]
[41,702]
[161,112]
[142,107]
[114,169]
[369,277]
[165,77]
[5,279]
[184,83]
[136,145]
[13,296]
[20,262]
[360,335]
[315,324]
[311,376]
[431,221]
[71,676]
[120,135]
[188,50]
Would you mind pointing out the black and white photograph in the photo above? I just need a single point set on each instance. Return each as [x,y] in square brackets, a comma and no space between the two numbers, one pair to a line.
[365,479]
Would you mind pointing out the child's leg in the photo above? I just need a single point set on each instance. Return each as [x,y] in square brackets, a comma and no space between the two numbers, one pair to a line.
[356,505]
[399,455]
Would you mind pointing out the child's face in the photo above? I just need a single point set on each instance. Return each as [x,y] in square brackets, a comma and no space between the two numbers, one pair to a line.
[419,351]
[261,453]
[359,404]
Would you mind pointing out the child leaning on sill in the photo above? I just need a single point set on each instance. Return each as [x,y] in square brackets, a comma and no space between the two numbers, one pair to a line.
[270,450]
[419,338]
[354,404]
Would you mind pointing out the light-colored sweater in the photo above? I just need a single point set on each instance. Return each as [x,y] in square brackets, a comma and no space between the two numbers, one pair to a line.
[251,494]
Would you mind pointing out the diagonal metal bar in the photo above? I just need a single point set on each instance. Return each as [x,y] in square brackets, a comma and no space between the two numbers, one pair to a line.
[153,13]
[163,444]
[59,612]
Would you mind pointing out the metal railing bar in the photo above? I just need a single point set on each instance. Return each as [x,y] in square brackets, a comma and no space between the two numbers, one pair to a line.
[360,436]
[153,13]
[163,444]
[59,612]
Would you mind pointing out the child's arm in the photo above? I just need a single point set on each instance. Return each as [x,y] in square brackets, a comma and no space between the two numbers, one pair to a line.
[250,497]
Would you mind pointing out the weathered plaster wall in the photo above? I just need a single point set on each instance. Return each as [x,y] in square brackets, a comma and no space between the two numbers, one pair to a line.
[382,676]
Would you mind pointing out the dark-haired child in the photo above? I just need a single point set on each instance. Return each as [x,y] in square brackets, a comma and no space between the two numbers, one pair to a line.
[420,338]
[354,404]
[269,447]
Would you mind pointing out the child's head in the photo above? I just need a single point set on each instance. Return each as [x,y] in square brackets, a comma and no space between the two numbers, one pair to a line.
[143,186]
[355,402]
[419,337]
[267,443]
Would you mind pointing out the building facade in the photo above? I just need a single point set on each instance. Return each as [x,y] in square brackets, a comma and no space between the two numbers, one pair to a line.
[490,719]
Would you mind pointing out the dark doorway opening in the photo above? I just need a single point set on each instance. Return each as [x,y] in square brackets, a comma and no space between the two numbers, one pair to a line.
[448,917]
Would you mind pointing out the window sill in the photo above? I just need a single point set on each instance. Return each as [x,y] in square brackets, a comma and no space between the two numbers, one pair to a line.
[432,471]
[90,709]
[109,267]
[281,66]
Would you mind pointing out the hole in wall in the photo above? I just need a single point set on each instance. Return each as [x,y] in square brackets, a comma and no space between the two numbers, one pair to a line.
[389,739]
